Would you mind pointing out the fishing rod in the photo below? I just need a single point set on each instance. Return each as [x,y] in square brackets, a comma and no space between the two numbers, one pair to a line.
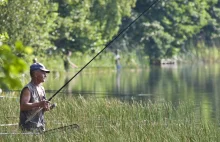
[107,45]
[66,127]
[71,126]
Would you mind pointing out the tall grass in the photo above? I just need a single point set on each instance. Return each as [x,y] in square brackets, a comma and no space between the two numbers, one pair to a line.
[108,120]
[200,51]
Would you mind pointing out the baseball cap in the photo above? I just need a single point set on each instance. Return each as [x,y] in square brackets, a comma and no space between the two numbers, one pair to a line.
[38,66]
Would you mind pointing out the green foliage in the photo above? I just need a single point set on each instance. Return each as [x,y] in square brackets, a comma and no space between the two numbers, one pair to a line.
[187,18]
[3,2]
[168,25]
[212,30]
[88,25]
[28,21]
[4,37]
[156,40]
[85,26]
[11,66]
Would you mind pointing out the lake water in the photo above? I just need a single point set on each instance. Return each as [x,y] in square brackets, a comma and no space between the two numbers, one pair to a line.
[197,83]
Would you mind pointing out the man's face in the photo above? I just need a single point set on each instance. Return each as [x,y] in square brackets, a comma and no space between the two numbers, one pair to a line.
[40,76]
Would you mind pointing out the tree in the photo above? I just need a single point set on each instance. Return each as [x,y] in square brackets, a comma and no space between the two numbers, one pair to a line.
[212,30]
[12,69]
[88,25]
[168,25]
[28,21]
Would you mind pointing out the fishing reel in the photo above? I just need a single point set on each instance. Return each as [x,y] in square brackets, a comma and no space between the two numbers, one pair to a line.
[53,106]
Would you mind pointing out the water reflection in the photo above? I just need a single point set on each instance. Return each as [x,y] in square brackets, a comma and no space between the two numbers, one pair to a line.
[118,81]
[197,83]
[67,89]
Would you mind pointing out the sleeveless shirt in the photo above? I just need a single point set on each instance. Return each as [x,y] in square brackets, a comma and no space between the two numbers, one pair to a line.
[37,123]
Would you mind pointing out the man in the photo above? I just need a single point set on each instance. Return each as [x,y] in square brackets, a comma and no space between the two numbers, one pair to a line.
[33,98]
[67,62]
[117,60]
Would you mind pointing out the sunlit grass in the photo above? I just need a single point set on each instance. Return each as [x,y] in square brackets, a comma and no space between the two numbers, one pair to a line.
[111,120]
[201,53]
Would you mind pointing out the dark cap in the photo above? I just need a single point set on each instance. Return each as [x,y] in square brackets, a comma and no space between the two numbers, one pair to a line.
[38,66]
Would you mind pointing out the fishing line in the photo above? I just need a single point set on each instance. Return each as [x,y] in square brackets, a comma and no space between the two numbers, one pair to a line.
[108,44]
[71,126]
[67,127]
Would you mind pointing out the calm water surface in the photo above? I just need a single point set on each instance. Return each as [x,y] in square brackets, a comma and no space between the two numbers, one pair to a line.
[197,83]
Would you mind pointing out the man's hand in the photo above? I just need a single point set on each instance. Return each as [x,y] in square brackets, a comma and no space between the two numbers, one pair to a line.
[45,105]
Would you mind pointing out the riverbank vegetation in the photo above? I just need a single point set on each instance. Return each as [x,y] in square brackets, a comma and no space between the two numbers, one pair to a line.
[166,30]
[184,31]
[103,119]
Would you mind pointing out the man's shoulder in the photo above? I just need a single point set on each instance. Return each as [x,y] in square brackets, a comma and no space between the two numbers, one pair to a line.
[27,87]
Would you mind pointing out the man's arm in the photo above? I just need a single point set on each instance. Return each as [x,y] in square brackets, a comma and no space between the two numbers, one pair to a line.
[73,65]
[25,104]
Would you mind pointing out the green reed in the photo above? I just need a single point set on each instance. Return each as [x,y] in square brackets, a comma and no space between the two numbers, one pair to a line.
[107,120]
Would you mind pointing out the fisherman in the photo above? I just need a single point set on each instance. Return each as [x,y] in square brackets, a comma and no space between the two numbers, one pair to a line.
[117,60]
[32,98]
[66,61]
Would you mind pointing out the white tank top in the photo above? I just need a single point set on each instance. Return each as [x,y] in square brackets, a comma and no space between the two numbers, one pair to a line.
[37,123]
